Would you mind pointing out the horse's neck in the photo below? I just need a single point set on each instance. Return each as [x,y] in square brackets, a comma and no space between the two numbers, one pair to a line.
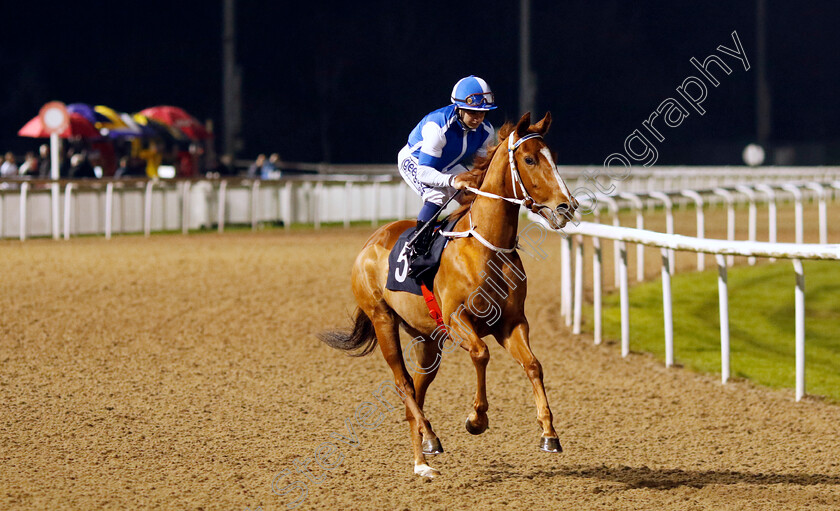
[494,219]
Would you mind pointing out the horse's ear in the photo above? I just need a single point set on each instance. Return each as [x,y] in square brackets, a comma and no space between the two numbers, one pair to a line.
[505,130]
[523,125]
[544,124]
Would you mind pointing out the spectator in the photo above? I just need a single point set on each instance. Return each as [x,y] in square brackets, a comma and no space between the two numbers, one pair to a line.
[221,167]
[268,167]
[9,167]
[103,155]
[273,170]
[199,158]
[186,161]
[123,169]
[255,170]
[131,167]
[80,167]
[45,166]
[29,167]
[226,167]
[66,163]
[152,158]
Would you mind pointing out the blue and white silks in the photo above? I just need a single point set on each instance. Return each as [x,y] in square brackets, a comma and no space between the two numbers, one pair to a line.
[436,151]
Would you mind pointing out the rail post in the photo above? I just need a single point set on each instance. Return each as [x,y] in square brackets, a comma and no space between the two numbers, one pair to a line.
[24,193]
[638,206]
[185,207]
[625,302]
[800,329]
[578,300]
[147,209]
[669,221]
[771,212]
[374,205]
[750,193]
[348,192]
[723,298]
[55,191]
[319,192]
[612,205]
[730,217]
[836,186]
[596,283]
[667,311]
[288,193]
[109,209]
[701,224]
[566,279]
[68,207]
[820,190]
[222,200]
[797,198]
[255,204]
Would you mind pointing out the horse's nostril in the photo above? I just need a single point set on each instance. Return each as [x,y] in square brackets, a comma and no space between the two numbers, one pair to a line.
[567,209]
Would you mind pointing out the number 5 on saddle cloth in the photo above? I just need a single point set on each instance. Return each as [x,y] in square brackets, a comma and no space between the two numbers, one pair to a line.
[398,261]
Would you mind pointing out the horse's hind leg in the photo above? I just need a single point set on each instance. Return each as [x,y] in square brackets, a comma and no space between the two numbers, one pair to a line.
[425,362]
[386,326]
[517,344]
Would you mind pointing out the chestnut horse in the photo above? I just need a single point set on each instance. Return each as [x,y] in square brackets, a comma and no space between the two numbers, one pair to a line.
[519,170]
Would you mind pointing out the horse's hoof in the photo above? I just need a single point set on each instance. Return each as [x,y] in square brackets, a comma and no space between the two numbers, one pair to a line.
[550,444]
[477,429]
[425,471]
[432,447]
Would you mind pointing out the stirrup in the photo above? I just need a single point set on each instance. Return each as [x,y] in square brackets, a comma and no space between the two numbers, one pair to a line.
[413,271]
[420,246]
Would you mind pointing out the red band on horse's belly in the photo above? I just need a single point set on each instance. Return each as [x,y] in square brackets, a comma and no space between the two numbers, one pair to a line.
[434,308]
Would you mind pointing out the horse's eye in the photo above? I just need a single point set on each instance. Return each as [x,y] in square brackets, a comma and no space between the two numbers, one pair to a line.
[529,160]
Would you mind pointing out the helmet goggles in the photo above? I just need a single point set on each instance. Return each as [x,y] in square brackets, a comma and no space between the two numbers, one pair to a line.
[479,100]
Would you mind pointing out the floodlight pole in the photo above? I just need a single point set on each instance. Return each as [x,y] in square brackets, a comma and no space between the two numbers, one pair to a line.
[527,88]
[762,90]
[232,81]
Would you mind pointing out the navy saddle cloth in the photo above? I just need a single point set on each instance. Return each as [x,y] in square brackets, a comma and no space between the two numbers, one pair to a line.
[398,279]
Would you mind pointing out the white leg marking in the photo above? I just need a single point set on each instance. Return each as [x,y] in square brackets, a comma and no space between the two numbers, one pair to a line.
[425,471]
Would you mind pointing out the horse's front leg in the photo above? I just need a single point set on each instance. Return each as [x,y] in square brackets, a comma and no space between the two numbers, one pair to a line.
[477,421]
[425,363]
[517,344]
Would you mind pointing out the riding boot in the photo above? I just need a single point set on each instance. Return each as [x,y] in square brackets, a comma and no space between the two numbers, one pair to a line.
[420,246]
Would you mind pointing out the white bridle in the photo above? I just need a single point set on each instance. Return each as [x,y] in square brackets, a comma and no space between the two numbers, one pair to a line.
[526,200]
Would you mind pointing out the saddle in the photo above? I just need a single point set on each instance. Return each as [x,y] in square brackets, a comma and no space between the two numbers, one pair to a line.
[398,278]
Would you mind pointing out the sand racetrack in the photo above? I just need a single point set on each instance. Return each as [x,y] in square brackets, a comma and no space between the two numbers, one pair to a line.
[182,373]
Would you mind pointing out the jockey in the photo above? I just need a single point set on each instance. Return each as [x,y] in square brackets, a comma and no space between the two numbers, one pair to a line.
[432,162]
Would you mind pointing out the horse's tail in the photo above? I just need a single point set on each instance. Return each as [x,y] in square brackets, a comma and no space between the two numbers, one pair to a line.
[360,341]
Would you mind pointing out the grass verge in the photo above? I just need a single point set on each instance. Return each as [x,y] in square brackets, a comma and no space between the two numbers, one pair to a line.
[761,323]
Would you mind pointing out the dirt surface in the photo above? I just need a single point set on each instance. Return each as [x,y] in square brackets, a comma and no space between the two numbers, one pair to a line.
[182,373]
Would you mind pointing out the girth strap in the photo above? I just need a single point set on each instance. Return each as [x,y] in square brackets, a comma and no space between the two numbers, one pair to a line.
[434,308]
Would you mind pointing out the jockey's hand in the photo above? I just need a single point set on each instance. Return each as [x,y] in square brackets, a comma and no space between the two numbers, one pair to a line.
[464,180]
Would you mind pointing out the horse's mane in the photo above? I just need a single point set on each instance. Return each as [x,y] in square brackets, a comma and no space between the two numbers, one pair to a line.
[479,170]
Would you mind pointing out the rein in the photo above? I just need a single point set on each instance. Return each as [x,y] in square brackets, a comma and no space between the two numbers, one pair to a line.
[526,199]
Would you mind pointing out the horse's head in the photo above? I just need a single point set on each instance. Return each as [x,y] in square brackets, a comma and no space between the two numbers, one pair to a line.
[532,163]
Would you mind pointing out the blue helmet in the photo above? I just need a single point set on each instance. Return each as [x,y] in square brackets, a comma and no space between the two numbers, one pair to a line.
[473,93]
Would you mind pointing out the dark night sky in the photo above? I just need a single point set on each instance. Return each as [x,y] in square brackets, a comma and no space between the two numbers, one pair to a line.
[347,83]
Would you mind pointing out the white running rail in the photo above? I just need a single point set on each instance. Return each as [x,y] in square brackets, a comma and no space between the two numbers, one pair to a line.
[675,242]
